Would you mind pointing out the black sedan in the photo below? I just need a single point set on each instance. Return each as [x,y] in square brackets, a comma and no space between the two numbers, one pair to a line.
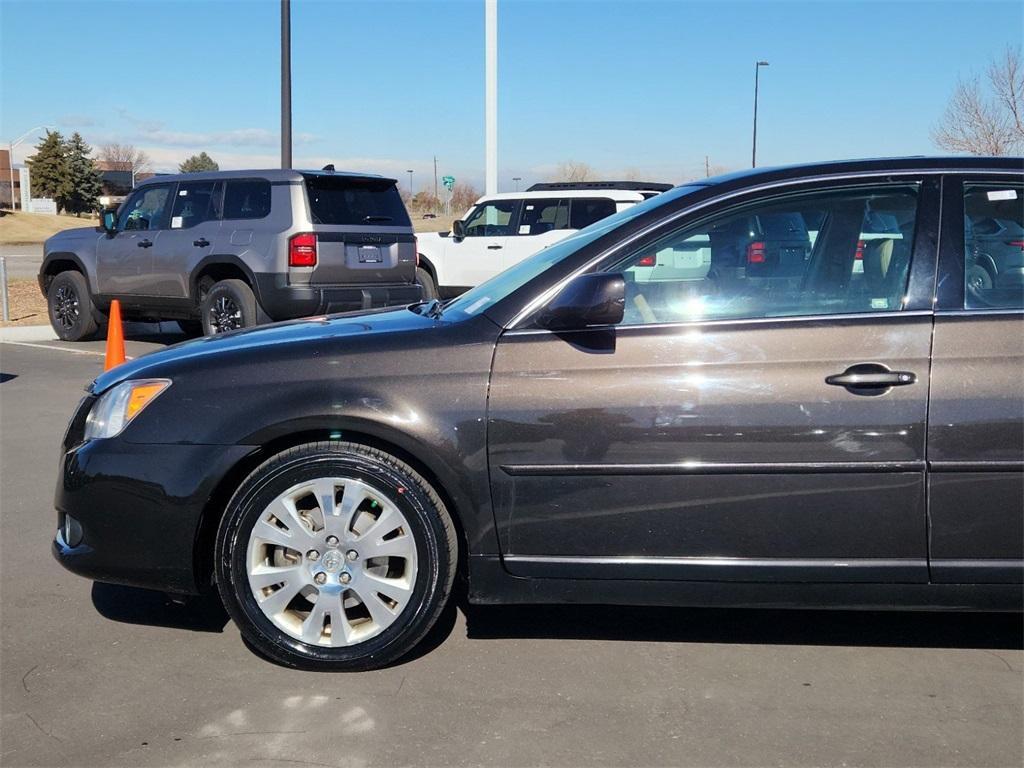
[657,410]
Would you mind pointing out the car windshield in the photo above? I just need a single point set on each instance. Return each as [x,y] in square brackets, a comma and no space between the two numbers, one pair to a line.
[488,293]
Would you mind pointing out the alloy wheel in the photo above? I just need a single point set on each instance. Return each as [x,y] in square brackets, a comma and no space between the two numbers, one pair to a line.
[331,562]
[66,306]
[225,315]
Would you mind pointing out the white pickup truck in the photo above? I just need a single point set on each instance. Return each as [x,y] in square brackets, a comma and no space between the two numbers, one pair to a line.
[502,230]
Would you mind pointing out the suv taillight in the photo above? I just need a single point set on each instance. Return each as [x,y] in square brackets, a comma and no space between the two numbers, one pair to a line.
[756,252]
[416,250]
[302,250]
[1017,243]
[859,253]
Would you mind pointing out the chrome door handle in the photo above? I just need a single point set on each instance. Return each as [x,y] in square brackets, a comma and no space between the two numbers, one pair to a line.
[870,379]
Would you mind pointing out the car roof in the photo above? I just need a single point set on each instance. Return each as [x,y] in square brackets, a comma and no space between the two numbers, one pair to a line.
[618,195]
[953,164]
[279,175]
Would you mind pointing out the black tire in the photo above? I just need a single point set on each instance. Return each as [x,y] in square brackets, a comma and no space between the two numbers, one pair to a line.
[430,525]
[426,283]
[228,306]
[70,307]
[191,328]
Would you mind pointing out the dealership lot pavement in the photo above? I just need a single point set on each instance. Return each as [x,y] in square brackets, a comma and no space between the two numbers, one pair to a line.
[106,676]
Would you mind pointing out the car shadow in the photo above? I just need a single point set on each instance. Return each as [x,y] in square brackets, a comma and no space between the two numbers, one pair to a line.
[901,629]
[746,626]
[131,605]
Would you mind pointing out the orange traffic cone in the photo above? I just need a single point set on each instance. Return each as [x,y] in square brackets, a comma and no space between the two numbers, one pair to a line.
[115,337]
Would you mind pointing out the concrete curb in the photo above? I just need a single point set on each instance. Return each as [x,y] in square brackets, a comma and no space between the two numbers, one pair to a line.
[27,333]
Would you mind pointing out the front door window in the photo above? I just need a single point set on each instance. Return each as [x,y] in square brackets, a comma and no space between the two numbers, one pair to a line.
[145,210]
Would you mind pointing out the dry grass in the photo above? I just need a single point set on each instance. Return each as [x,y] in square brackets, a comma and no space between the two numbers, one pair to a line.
[23,228]
[440,224]
[28,307]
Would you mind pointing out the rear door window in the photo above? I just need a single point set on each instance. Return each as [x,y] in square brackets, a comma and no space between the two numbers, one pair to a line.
[355,201]
[584,211]
[246,199]
[196,202]
[994,246]
[540,216]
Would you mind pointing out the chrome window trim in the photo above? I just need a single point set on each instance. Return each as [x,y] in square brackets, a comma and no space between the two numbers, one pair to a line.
[892,314]
[547,295]
[979,311]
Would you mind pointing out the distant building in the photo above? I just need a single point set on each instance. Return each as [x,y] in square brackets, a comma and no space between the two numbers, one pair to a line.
[117,181]
[6,173]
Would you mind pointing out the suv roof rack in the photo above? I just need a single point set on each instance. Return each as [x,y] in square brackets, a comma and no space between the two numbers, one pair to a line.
[634,186]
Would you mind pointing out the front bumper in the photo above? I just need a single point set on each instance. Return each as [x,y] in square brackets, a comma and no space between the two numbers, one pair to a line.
[137,510]
[284,301]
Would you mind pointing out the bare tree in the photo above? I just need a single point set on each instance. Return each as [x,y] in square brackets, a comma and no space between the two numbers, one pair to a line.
[126,157]
[571,170]
[986,118]
[463,196]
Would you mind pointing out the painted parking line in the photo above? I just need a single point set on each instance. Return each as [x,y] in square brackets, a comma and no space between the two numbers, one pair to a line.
[56,347]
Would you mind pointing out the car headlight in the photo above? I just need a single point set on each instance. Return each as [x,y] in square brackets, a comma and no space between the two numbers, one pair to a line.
[117,407]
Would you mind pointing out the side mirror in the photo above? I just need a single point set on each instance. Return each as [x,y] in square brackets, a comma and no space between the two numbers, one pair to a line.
[598,298]
[109,220]
[458,229]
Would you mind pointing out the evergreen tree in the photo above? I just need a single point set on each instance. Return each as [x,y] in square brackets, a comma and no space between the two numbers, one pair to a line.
[48,169]
[84,178]
[197,163]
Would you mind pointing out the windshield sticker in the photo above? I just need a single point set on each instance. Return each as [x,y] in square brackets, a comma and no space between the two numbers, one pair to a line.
[1002,194]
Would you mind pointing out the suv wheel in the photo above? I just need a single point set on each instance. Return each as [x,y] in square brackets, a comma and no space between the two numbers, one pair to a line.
[70,307]
[335,556]
[426,283]
[228,306]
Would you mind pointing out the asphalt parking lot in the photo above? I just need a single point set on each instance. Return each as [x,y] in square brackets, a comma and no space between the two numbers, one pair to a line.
[105,676]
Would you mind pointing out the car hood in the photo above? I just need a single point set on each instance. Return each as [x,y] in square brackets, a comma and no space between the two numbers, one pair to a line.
[310,330]
[68,237]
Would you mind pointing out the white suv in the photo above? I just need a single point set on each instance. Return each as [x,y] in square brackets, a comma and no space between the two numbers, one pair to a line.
[502,230]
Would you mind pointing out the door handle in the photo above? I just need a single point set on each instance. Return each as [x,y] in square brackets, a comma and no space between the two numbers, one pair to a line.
[870,379]
[202,242]
[145,243]
[493,247]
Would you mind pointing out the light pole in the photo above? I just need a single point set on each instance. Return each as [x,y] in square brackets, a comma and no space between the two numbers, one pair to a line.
[490,96]
[410,183]
[286,84]
[10,155]
[753,151]
[517,179]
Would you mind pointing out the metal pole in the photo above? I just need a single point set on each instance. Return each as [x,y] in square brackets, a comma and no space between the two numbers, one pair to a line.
[435,180]
[3,281]
[491,96]
[410,184]
[517,179]
[753,150]
[286,84]
[10,162]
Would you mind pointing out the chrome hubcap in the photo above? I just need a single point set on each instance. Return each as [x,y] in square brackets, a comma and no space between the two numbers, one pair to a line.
[332,562]
[225,315]
[65,306]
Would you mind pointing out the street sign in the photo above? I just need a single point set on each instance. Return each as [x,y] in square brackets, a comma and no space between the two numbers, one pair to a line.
[449,182]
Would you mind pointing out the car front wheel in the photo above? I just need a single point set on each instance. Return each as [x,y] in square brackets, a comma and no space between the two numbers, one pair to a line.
[70,307]
[335,556]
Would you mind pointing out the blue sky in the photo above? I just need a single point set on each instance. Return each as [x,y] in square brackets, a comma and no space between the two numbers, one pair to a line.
[647,87]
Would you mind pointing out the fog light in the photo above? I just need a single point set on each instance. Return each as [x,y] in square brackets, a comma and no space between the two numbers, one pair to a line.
[72,531]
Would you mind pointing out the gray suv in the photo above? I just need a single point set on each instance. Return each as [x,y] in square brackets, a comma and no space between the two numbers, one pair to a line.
[226,250]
